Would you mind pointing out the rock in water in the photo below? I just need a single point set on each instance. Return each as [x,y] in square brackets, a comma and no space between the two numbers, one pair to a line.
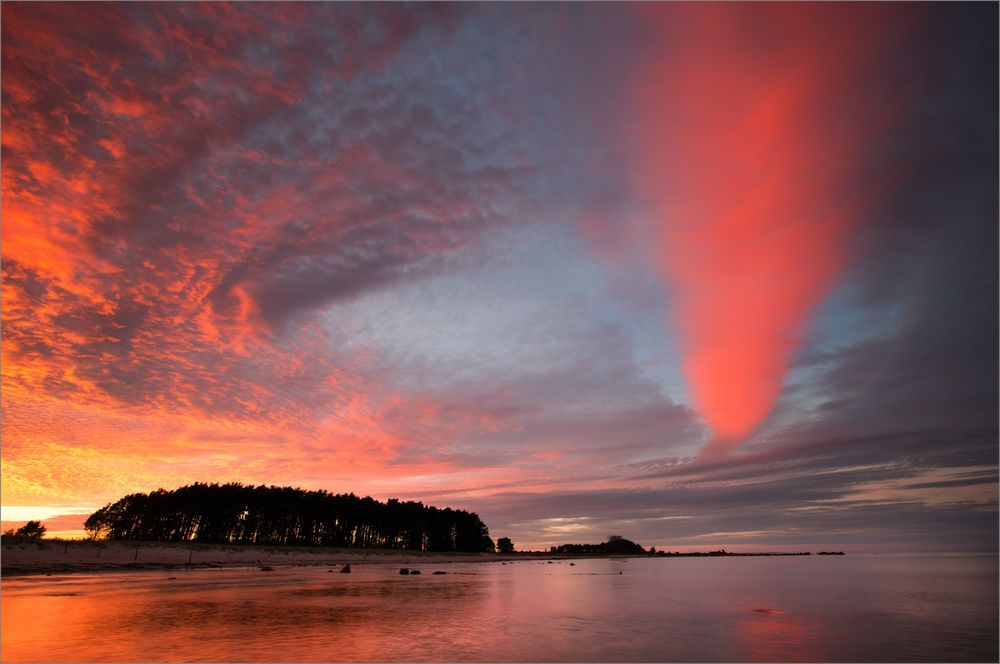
[403,570]
[346,569]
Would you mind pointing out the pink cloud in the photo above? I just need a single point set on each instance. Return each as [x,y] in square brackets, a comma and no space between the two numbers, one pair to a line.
[748,149]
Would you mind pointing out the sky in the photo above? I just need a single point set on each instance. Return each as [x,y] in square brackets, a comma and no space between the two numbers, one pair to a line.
[700,275]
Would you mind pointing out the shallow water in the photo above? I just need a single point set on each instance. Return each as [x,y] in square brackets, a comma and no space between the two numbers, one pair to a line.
[852,608]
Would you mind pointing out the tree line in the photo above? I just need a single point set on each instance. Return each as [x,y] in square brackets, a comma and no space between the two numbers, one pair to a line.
[615,544]
[33,530]
[243,514]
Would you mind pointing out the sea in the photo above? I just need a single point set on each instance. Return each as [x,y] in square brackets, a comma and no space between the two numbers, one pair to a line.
[853,608]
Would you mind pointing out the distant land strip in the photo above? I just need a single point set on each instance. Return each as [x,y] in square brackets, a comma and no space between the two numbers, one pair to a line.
[53,556]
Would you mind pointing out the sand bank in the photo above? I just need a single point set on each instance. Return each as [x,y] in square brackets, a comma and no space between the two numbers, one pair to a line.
[55,556]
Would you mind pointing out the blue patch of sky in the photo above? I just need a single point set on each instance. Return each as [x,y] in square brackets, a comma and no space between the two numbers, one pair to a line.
[503,106]
[539,302]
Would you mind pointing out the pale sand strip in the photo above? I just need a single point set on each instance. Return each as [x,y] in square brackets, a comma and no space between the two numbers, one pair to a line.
[55,556]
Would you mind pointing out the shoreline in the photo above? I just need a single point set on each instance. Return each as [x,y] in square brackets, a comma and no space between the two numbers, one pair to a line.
[48,557]
[68,557]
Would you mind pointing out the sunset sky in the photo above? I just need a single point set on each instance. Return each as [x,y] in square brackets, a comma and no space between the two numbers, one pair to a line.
[699,275]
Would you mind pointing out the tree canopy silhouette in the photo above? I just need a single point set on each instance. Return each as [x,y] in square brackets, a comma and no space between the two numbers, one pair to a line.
[504,545]
[30,530]
[616,544]
[244,514]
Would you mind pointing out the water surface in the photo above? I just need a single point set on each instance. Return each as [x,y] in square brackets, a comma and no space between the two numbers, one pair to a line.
[851,608]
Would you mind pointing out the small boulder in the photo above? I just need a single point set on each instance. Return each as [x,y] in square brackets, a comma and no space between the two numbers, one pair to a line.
[414,571]
[440,572]
[404,571]
[346,569]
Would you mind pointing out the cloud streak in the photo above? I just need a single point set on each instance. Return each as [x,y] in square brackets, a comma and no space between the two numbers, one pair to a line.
[753,141]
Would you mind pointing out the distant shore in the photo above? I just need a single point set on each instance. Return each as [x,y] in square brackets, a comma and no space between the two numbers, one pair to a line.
[19,558]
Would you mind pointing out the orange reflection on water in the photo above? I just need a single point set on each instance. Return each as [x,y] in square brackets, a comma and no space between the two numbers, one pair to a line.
[599,610]
[292,615]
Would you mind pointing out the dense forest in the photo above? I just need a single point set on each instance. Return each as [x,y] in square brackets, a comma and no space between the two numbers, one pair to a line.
[238,514]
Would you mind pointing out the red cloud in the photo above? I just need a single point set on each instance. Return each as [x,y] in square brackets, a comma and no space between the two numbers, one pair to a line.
[753,126]
[171,199]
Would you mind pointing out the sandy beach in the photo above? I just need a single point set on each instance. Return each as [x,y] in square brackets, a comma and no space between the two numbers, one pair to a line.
[63,556]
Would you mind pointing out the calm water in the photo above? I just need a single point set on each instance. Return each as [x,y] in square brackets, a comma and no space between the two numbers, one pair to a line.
[852,608]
